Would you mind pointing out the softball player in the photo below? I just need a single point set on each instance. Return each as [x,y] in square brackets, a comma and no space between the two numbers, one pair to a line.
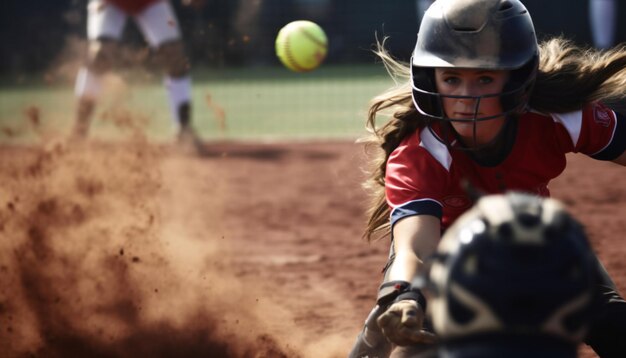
[159,26]
[489,109]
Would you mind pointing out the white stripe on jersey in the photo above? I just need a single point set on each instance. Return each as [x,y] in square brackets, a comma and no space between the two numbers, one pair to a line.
[437,149]
[572,121]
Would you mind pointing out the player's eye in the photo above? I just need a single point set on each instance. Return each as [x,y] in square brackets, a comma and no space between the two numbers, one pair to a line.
[452,80]
[485,80]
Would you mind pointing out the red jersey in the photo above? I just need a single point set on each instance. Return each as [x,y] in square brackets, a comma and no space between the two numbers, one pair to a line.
[132,7]
[424,177]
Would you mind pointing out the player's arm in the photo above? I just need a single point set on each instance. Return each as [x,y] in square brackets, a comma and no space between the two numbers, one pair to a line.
[415,180]
[415,239]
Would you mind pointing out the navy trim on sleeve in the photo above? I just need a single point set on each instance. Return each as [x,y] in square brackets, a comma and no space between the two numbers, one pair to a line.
[416,207]
[618,143]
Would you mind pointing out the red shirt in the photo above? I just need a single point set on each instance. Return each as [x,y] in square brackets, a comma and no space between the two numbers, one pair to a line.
[132,7]
[424,177]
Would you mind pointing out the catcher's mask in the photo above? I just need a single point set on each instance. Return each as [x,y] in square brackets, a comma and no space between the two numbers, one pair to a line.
[513,266]
[474,34]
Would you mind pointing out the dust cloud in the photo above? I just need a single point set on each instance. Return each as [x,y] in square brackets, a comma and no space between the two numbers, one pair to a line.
[99,257]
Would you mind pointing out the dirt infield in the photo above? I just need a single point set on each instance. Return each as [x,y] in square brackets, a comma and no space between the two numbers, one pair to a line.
[127,250]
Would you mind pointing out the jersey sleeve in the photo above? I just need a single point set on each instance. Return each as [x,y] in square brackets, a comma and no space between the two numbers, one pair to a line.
[414,182]
[596,131]
[616,144]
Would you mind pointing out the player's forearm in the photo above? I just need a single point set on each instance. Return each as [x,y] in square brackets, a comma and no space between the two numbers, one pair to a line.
[405,267]
[415,239]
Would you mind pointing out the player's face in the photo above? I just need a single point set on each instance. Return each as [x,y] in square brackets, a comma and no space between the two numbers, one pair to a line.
[471,82]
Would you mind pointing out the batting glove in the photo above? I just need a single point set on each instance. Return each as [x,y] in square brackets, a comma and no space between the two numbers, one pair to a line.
[402,324]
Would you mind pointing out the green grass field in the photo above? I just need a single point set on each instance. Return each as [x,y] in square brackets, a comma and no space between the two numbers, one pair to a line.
[259,104]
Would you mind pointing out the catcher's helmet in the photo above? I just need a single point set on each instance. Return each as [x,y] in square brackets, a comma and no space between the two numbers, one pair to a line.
[513,266]
[474,34]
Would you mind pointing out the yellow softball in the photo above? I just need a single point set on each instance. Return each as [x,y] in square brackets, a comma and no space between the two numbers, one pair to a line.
[301,45]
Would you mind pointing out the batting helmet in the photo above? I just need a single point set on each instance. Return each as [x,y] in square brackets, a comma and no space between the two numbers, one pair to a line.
[475,34]
[515,265]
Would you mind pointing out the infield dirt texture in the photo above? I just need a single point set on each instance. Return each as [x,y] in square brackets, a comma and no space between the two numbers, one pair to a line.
[134,250]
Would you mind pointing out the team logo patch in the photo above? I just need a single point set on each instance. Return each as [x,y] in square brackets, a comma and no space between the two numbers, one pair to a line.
[602,116]
[457,201]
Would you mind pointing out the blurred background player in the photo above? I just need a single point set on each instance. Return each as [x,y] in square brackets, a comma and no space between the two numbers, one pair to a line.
[513,277]
[602,18]
[158,23]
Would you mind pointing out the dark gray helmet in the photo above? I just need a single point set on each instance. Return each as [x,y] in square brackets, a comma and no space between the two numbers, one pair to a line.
[515,268]
[475,34]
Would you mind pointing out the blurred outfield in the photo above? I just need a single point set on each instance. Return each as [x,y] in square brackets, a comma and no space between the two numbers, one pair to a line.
[265,103]
[234,41]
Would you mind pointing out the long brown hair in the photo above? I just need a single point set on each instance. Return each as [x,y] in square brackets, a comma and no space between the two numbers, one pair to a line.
[569,76]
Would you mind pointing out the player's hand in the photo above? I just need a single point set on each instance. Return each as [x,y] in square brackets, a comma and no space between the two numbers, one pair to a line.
[196,4]
[402,324]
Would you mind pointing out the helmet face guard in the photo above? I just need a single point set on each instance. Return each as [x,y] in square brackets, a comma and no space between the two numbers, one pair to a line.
[474,34]
[430,105]
[513,102]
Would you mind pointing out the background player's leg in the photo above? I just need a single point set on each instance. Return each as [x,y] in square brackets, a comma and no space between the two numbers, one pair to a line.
[87,89]
[171,57]
[88,83]
[159,25]
[105,24]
